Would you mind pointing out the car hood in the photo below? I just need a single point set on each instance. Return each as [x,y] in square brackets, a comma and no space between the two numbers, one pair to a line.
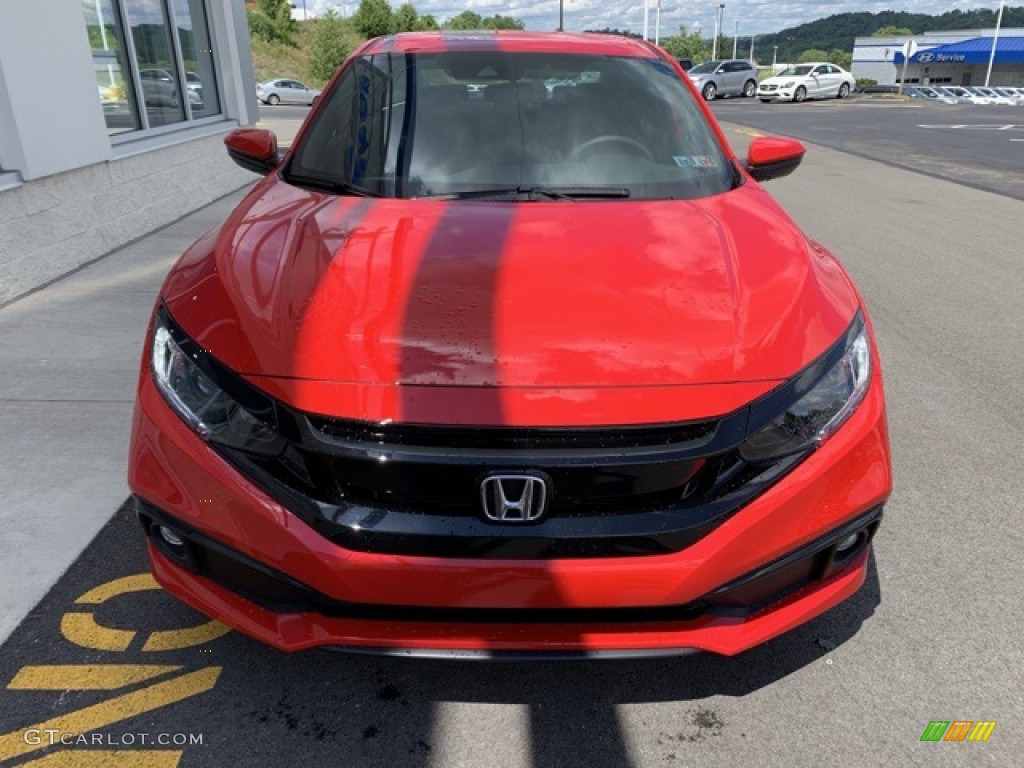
[304,286]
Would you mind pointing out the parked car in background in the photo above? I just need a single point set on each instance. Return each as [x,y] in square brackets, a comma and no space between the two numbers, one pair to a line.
[876,89]
[686,64]
[1009,93]
[928,93]
[988,96]
[814,80]
[284,91]
[958,96]
[730,77]
[160,89]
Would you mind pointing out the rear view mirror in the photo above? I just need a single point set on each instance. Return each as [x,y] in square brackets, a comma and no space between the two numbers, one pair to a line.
[254,149]
[772,158]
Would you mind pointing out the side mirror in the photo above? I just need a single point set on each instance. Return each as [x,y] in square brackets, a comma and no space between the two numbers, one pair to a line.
[254,149]
[771,158]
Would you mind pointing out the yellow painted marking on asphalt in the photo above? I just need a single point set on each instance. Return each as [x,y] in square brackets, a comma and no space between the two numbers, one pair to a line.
[114,710]
[140,582]
[85,677]
[748,132]
[95,758]
[175,639]
[82,629]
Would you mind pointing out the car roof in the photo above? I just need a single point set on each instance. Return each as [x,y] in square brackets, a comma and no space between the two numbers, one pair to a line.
[512,41]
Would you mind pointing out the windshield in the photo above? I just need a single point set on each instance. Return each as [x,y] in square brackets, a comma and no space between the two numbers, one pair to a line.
[468,123]
[800,71]
[705,68]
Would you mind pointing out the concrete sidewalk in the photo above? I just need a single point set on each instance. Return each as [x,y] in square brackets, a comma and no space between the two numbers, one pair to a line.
[69,361]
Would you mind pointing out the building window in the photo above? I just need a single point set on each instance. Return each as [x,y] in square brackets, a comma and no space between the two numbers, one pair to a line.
[157,53]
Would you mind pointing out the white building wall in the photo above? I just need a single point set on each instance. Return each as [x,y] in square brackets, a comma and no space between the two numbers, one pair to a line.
[68,192]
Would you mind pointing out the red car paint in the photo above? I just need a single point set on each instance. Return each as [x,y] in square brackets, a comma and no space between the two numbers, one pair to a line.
[589,314]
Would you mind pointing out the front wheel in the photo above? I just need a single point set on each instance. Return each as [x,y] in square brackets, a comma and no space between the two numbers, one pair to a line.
[844,91]
[800,94]
[273,99]
[749,89]
[710,91]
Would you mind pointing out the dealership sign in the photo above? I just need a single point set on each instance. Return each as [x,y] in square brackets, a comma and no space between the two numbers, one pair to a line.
[927,57]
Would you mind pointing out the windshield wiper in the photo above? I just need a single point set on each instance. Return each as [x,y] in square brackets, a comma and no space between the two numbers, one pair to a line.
[326,185]
[534,193]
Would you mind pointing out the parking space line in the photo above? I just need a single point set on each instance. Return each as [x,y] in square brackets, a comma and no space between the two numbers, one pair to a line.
[82,629]
[93,758]
[85,677]
[139,582]
[113,710]
[176,639]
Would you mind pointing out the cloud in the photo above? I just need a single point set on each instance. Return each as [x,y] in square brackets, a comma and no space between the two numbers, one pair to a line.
[754,16]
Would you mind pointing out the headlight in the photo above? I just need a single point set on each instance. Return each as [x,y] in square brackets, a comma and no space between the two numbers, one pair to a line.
[207,408]
[822,410]
[789,84]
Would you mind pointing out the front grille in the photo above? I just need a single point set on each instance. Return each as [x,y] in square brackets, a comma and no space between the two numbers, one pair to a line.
[769,87]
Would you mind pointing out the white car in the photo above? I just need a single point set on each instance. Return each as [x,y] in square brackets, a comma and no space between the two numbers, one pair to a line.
[285,91]
[814,80]
[990,95]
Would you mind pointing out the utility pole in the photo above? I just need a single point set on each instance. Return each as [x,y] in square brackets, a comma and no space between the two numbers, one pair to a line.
[751,49]
[995,41]
[561,15]
[657,25]
[647,19]
[736,39]
[775,57]
[718,30]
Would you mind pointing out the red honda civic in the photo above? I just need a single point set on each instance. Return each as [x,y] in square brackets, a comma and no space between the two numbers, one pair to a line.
[510,355]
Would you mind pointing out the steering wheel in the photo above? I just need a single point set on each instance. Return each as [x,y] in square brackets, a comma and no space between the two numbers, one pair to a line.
[607,139]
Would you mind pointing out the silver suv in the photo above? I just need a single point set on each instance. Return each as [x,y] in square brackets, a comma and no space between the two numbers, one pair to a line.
[728,77]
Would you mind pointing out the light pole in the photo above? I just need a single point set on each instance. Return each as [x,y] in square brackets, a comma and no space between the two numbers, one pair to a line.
[736,39]
[751,49]
[718,30]
[775,57]
[657,25]
[647,19]
[995,41]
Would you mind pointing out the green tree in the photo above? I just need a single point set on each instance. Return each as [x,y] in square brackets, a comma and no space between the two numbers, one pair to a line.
[688,46]
[373,18]
[329,47]
[465,21]
[503,22]
[813,54]
[260,27]
[891,31]
[843,58]
[427,23]
[405,19]
[279,14]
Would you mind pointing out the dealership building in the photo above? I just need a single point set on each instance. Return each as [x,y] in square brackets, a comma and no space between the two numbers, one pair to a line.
[112,119]
[956,58]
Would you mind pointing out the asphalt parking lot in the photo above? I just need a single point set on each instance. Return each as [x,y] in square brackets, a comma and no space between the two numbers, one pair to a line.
[934,634]
[982,146]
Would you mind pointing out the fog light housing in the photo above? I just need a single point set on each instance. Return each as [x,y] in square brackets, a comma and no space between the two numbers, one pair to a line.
[171,538]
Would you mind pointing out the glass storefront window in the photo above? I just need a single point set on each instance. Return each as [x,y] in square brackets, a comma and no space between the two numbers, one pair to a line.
[157,52]
[197,53]
[154,53]
[109,60]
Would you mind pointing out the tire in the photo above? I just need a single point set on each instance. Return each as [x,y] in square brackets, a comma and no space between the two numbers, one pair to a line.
[273,99]
[749,89]
[709,92]
[800,94]
[844,91]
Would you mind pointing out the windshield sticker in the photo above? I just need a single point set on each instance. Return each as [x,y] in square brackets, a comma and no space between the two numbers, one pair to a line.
[695,161]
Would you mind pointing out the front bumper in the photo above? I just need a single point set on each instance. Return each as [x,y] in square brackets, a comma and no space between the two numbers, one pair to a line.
[785,94]
[429,605]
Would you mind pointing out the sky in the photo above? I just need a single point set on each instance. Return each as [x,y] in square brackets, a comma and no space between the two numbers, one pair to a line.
[754,16]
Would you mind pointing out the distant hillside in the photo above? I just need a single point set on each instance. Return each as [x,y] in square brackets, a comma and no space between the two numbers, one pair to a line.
[839,31]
